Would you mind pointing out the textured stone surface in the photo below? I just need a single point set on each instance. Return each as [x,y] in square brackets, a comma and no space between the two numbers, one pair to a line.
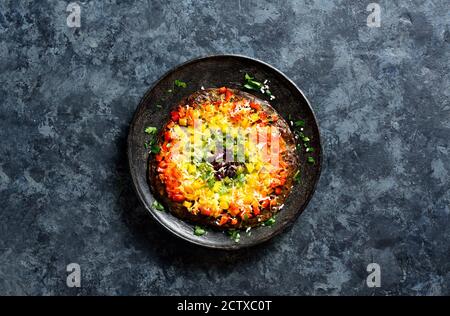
[382,100]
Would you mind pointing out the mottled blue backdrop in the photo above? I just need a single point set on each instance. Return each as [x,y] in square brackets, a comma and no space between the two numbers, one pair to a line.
[382,100]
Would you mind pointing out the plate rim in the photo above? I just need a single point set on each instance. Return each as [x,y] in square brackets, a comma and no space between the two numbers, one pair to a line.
[140,194]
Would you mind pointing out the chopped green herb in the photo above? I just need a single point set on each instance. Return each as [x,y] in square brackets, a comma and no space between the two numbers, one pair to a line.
[159,106]
[311,159]
[154,149]
[158,206]
[150,130]
[210,182]
[180,84]
[306,139]
[146,145]
[269,222]
[234,235]
[199,231]
[310,149]
[251,84]
[299,123]
[297,176]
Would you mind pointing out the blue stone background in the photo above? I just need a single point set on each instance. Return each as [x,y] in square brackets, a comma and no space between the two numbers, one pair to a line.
[381,96]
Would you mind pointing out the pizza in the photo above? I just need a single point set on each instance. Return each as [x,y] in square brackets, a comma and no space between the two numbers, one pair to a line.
[226,159]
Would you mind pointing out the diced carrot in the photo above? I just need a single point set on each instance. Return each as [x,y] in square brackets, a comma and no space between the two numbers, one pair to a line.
[255,208]
[223,219]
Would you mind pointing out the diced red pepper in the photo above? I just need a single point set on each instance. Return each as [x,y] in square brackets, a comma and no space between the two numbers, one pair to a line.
[255,106]
[263,116]
[277,190]
[222,90]
[175,116]
[205,211]
[228,95]
[265,203]
[178,197]
[234,221]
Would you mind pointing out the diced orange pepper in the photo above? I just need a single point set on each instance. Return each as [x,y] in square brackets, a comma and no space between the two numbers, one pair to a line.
[223,219]
[255,106]
[228,95]
[255,208]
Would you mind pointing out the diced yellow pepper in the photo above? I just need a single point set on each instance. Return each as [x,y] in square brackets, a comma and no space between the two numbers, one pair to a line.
[250,167]
[217,186]
[191,168]
[182,121]
[224,205]
[187,204]
[197,184]
[254,117]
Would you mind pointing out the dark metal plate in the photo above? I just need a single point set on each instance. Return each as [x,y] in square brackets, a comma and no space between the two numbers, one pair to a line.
[218,71]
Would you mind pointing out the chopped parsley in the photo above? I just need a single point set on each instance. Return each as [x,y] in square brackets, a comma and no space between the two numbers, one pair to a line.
[154,148]
[199,231]
[269,222]
[251,84]
[299,123]
[180,84]
[150,130]
[158,206]
[297,176]
[234,235]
